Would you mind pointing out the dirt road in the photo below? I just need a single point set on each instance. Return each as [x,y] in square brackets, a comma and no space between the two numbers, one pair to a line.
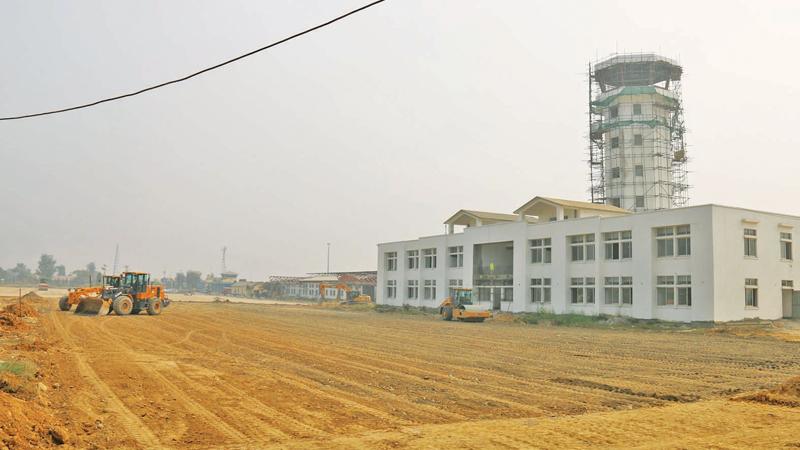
[256,376]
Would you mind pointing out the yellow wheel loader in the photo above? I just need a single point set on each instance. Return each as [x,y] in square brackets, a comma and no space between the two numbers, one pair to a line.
[127,294]
[460,307]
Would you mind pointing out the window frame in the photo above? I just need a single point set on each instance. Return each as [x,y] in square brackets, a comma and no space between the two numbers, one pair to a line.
[541,288]
[582,246]
[616,244]
[429,258]
[675,288]
[543,247]
[412,286]
[391,261]
[429,289]
[751,293]
[674,238]
[391,288]
[786,245]
[750,243]
[456,253]
[412,259]
[582,291]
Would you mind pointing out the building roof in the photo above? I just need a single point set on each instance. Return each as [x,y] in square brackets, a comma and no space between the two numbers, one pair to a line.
[480,215]
[574,204]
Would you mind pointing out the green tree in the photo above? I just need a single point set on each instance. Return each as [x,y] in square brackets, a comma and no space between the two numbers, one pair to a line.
[180,281]
[91,268]
[21,274]
[47,267]
[3,276]
[61,270]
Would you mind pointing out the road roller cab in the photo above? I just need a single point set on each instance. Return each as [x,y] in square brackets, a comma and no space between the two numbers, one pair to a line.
[459,306]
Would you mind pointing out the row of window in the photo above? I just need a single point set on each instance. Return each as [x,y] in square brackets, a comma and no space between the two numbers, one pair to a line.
[412,288]
[613,111]
[618,245]
[671,290]
[751,244]
[638,140]
[429,258]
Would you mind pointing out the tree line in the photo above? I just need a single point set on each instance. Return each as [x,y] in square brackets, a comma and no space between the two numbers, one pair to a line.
[48,270]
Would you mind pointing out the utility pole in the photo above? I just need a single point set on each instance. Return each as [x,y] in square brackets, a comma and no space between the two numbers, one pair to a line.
[328,269]
[116,260]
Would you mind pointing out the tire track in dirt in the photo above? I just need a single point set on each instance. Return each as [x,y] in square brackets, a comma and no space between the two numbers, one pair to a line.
[286,378]
[192,407]
[132,424]
[577,405]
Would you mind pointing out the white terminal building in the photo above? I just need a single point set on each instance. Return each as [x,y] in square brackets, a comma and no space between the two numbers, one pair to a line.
[633,251]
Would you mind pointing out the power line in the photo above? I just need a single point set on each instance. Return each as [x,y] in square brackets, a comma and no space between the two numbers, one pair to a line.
[207,69]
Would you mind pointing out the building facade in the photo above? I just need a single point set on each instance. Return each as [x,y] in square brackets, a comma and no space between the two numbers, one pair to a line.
[699,263]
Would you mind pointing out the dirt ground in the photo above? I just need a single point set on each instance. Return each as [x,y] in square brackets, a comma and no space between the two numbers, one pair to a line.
[221,375]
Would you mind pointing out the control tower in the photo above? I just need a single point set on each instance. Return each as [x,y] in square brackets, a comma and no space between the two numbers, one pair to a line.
[637,151]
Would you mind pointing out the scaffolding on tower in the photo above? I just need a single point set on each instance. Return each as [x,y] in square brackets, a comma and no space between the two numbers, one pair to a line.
[637,145]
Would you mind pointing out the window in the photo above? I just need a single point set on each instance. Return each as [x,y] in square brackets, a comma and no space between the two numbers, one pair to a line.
[613,112]
[638,170]
[582,247]
[452,284]
[541,251]
[787,284]
[413,259]
[429,290]
[637,139]
[614,201]
[668,239]
[413,289]
[684,290]
[618,245]
[618,290]
[637,109]
[540,290]
[669,288]
[429,258]
[750,243]
[391,260]
[639,201]
[582,290]
[751,292]
[786,246]
[614,142]
[391,289]
[457,256]
[615,172]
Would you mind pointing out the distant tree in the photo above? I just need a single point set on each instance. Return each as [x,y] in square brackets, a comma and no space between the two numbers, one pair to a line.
[61,270]
[47,267]
[180,281]
[3,275]
[21,274]
[194,280]
[81,277]
[91,268]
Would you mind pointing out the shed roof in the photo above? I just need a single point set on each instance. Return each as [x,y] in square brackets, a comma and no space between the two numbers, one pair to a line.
[481,215]
[574,204]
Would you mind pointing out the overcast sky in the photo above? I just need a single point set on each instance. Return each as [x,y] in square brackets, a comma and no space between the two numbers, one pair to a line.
[375,129]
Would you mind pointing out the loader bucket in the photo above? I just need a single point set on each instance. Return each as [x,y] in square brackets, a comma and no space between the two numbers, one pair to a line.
[89,305]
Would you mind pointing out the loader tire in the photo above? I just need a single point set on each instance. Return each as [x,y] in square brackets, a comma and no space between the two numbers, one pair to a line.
[447,313]
[63,303]
[122,305]
[154,308]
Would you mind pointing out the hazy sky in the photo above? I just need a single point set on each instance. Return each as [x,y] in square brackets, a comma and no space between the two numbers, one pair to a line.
[375,129]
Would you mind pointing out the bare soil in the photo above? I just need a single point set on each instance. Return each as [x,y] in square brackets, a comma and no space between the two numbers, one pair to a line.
[224,375]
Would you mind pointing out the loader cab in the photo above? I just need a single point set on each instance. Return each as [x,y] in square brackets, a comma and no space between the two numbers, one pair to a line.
[137,282]
[114,281]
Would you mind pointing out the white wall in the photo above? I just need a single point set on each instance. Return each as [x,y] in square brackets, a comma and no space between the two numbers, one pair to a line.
[733,267]
[716,264]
